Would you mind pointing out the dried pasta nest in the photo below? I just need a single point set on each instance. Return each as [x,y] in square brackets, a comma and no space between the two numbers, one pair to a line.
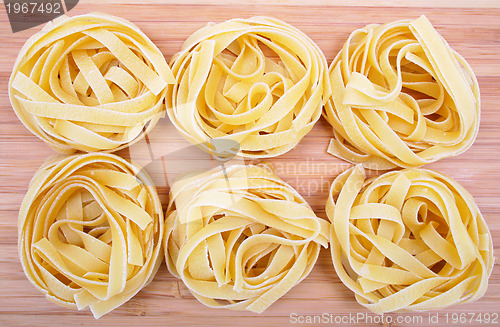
[409,240]
[401,97]
[90,231]
[92,83]
[240,238]
[258,81]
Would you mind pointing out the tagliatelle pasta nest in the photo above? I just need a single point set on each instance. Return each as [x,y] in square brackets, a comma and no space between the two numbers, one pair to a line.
[401,97]
[240,238]
[408,240]
[258,81]
[91,82]
[90,231]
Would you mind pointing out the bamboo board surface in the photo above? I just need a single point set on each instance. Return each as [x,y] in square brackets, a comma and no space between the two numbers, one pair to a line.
[471,27]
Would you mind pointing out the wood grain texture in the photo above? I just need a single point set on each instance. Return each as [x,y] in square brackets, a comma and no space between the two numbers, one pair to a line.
[471,27]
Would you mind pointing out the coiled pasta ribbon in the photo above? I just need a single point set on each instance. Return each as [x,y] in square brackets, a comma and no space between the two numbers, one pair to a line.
[91,82]
[401,97]
[408,240]
[258,81]
[242,238]
[90,231]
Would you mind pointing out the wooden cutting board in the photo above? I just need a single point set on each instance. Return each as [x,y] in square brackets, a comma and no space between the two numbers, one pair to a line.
[471,27]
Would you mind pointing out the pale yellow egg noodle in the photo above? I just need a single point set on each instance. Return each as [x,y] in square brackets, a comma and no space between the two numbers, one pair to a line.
[242,238]
[90,231]
[91,226]
[401,97]
[257,81]
[409,240]
[91,82]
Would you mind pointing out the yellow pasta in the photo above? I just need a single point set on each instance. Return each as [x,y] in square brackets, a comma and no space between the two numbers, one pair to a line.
[91,82]
[90,231]
[241,238]
[258,81]
[409,240]
[401,97]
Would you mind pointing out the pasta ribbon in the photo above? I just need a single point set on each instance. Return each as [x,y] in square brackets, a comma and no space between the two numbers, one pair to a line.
[91,83]
[401,97]
[90,231]
[258,81]
[240,238]
[409,240]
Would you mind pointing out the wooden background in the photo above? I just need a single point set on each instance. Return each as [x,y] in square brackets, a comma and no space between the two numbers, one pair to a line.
[471,27]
